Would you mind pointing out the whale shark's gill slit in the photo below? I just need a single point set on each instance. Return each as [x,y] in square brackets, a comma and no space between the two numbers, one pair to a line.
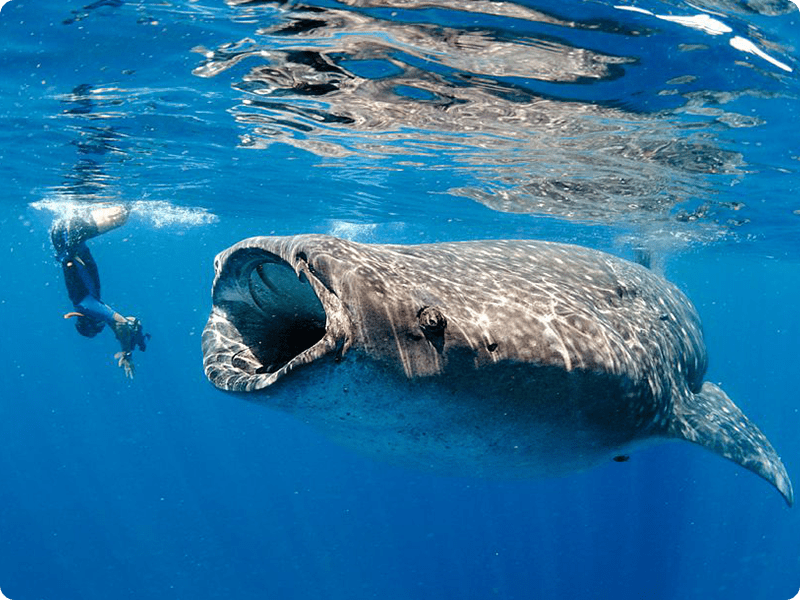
[282,316]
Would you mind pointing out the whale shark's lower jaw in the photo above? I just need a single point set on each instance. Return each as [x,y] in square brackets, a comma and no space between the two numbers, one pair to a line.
[267,320]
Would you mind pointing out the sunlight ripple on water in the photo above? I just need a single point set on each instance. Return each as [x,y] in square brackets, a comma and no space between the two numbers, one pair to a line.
[648,117]
[509,105]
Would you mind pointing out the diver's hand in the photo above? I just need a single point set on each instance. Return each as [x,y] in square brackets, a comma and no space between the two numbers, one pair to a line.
[125,361]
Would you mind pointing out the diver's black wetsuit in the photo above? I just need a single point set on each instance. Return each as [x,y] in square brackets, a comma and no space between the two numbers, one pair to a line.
[81,276]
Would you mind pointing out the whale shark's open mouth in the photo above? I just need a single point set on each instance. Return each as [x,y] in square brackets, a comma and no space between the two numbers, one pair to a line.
[285,317]
[267,319]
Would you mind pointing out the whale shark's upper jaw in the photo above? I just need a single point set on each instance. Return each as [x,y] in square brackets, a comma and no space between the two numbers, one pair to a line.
[270,316]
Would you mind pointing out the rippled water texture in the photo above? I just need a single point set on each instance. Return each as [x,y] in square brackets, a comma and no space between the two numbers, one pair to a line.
[540,112]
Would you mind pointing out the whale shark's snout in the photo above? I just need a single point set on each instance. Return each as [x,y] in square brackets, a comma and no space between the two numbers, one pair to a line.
[488,358]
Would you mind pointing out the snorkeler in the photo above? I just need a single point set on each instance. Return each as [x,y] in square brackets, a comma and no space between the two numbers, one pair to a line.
[69,237]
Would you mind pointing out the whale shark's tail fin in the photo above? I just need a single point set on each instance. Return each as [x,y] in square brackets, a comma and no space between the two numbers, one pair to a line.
[712,420]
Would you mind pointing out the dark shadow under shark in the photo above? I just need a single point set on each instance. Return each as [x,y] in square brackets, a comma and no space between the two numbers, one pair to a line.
[485,358]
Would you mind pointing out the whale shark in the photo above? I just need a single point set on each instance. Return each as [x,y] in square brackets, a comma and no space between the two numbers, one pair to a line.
[498,358]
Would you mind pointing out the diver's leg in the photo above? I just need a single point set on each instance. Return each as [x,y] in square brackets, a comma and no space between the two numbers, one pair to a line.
[107,218]
[81,275]
[67,234]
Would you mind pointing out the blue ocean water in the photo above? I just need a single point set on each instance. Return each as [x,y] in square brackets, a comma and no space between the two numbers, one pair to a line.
[664,126]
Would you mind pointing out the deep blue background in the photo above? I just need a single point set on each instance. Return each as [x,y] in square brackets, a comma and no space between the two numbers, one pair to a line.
[164,487]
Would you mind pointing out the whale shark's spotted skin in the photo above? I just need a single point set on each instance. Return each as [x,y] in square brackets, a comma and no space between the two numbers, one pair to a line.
[493,358]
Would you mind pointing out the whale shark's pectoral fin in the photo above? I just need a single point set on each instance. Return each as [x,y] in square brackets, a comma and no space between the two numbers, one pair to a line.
[712,420]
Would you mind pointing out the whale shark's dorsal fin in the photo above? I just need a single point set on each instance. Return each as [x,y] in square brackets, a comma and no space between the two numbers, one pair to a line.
[643,257]
[713,421]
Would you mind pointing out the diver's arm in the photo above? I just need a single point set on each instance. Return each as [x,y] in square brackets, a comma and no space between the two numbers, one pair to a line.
[130,334]
[90,306]
[127,330]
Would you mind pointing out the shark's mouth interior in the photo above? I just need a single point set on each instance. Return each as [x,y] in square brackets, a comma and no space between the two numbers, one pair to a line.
[283,318]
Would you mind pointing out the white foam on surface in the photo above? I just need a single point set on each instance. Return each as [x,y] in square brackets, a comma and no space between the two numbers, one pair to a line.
[158,213]
[355,232]
[364,232]
[161,213]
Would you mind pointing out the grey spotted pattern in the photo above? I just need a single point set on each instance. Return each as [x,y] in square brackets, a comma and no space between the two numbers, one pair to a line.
[513,357]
